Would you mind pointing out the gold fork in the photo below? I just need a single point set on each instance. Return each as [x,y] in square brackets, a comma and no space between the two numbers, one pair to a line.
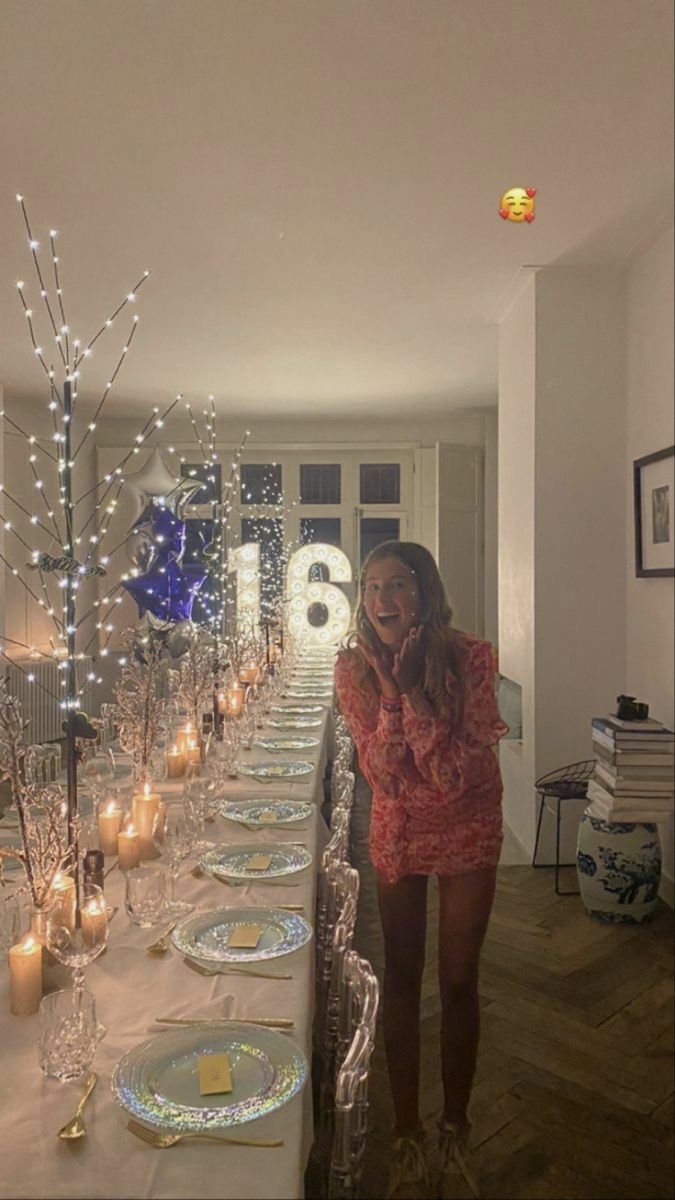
[162,944]
[162,1141]
[202,970]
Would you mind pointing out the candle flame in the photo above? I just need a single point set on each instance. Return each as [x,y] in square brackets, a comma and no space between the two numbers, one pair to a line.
[28,942]
[110,810]
[146,789]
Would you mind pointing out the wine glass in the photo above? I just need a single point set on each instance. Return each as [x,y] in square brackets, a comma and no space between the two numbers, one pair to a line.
[75,945]
[198,795]
[174,833]
[98,771]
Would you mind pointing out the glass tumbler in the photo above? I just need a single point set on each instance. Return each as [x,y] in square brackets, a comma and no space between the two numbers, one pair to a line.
[68,1034]
[145,899]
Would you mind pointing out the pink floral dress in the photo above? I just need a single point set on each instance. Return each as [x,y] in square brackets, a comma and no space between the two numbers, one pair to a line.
[436,807]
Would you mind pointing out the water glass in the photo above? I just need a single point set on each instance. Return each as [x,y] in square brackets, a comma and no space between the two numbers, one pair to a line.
[68,1034]
[145,899]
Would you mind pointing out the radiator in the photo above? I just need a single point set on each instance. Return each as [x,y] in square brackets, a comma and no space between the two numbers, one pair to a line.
[38,702]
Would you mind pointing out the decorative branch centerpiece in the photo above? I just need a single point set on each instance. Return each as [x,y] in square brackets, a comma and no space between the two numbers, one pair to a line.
[138,710]
[45,850]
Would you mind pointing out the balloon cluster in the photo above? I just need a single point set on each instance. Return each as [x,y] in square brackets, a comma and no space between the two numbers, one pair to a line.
[164,586]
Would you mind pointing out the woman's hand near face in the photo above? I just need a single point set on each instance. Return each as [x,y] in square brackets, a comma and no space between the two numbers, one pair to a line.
[410,662]
[379,660]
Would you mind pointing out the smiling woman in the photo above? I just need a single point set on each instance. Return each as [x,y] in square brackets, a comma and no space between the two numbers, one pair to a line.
[419,700]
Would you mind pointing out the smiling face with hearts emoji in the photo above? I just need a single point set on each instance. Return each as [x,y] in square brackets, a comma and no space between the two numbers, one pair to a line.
[518,205]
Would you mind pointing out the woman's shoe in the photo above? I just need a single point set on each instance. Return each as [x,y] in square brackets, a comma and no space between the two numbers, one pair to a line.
[409,1177]
[455,1158]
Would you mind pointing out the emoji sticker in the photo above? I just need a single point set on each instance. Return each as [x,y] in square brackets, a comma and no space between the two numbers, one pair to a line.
[518,205]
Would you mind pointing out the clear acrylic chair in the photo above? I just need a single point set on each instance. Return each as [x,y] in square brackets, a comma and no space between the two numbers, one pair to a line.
[350,1113]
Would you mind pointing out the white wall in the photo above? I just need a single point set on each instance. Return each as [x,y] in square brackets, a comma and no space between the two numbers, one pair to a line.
[516,550]
[650,651]
[491,522]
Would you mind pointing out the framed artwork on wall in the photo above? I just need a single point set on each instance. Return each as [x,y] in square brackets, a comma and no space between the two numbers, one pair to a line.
[654,500]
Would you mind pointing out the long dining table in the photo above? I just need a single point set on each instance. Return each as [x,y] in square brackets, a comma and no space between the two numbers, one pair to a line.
[132,989]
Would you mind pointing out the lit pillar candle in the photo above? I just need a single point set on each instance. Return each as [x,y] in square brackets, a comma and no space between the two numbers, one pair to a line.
[109,821]
[94,920]
[144,811]
[128,848]
[63,900]
[193,754]
[175,763]
[183,737]
[250,673]
[234,700]
[25,976]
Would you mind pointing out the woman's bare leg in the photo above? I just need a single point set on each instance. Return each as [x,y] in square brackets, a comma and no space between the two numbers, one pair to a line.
[465,906]
[403,910]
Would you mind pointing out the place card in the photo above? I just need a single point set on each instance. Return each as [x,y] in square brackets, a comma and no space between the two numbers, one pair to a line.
[258,862]
[245,937]
[215,1074]
[268,814]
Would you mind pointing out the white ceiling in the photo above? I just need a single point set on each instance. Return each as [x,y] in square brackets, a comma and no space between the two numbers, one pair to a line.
[315,183]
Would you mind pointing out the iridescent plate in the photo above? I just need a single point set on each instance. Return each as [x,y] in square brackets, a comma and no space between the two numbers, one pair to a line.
[294,722]
[158,1081]
[276,770]
[230,862]
[288,743]
[205,937]
[265,812]
[296,708]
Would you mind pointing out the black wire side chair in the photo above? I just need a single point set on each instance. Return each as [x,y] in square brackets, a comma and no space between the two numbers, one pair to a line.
[566,783]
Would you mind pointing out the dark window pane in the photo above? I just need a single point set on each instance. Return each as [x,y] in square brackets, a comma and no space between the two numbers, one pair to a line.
[380,483]
[320,529]
[375,530]
[199,532]
[261,483]
[320,484]
[269,535]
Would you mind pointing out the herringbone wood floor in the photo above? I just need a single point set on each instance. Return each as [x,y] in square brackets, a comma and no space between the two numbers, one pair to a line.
[574,1087]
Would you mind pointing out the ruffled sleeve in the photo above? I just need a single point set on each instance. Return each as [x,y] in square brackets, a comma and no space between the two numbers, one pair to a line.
[454,762]
[385,758]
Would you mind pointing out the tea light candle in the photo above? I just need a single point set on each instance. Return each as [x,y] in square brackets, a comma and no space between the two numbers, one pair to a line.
[109,821]
[175,763]
[144,811]
[128,849]
[25,976]
[94,921]
[63,900]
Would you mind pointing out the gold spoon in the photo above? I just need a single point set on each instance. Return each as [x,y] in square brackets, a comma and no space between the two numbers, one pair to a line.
[76,1127]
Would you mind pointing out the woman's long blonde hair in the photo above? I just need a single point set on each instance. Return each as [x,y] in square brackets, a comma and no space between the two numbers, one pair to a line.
[442,644]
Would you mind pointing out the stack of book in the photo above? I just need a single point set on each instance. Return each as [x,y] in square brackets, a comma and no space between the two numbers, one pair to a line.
[633,778]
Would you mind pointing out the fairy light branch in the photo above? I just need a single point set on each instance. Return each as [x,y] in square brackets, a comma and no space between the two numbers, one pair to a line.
[108,388]
[129,299]
[34,247]
[59,292]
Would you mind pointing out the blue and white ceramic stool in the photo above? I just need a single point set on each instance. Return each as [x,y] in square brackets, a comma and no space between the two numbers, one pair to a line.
[619,869]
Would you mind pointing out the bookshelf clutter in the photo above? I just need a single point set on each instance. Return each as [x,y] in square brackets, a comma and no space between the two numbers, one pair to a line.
[631,791]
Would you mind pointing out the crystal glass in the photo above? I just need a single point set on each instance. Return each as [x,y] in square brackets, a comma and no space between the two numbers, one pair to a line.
[68,1034]
[10,923]
[145,898]
[199,795]
[175,833]
[98,771]
[75,947]
[246,728]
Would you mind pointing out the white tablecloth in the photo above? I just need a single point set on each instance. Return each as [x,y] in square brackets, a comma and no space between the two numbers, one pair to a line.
[131,989]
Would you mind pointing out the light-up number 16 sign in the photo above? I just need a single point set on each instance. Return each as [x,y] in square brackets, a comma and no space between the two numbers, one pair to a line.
[301,592]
